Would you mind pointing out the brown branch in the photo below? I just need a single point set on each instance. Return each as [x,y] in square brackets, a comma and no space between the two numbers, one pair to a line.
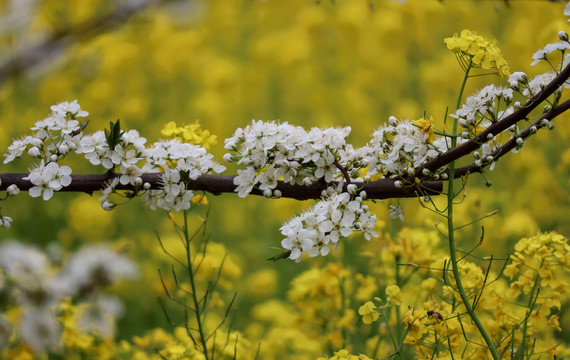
[218,184]
[511,144]
[343,171]
[496,128]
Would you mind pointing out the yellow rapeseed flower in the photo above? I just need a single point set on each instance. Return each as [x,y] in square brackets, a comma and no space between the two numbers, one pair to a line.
[427,126]
[480,51]
[369,312]
[394,295]
[191,133]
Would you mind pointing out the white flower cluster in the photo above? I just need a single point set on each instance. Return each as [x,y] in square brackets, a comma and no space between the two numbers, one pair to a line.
[271,150]
[180,161]
[483,107]
[53,136]
[543,53]
[400,146]
[124,155]
[48,178]
[29,279]
[320,228]
[61,133]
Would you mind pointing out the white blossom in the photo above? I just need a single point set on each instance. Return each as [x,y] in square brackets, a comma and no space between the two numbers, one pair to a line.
[320,228]
[48,178]
[270,150]
[543,53]
[395,212]
[96,266]
[40,329]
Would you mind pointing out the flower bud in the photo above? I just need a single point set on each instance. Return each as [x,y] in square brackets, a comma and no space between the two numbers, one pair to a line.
[426,172]
[147,186]
[478,163]
[546,108]
[6,222]
[533,129]
[544,122]
[229,157]
[267,193]
[108,205]
[476,155]
[34,152]
[138,181]
[351,188]
[563,35]
[63,149]
[444,176]
[411,171]
[489,158]
[518,105]
[393,121]
[489,136]
[366,179]
[465,135]
[277,193]
[363,195]
[36,142]
[519,141]
[53,158]
[398,184]
[13,190]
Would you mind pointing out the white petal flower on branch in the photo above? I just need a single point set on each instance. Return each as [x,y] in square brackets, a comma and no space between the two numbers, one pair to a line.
[48,178]
[543,53]
[65,108]
[270,150]
[538,83]
[320,228]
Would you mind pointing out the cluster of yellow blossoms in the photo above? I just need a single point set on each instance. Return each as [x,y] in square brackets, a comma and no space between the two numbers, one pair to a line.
[191,133]
[479,51]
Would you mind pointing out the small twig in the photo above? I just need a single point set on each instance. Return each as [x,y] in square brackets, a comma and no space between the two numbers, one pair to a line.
[343,170]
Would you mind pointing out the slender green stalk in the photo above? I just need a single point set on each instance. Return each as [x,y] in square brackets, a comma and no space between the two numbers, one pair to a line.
[190,268]
[530,305]
[451,237]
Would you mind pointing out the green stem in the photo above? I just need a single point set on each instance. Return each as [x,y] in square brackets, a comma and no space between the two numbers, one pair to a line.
[451,237]
[530,305]
[190,268]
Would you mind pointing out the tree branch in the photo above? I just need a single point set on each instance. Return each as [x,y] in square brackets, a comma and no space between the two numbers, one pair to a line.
[511,144]
[218,184]
[496,128]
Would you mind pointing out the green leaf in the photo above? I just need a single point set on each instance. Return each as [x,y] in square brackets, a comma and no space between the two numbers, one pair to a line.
[113,134]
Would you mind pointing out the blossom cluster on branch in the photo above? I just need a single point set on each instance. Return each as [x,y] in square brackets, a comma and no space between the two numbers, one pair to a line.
[406,153]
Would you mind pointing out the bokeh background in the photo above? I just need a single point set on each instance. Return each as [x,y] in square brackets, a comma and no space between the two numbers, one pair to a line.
[310,63]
